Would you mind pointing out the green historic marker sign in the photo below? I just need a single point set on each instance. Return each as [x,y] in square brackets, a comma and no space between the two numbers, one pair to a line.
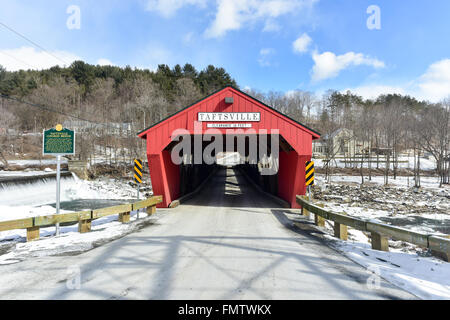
[59,141]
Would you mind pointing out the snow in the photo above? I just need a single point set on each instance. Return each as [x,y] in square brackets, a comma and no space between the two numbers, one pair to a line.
[405,162]
[385,204]
[31,200]
[34,162]
[69,240]
[43,193]
[7,174]
[375,215]
[425,277]
[401,181]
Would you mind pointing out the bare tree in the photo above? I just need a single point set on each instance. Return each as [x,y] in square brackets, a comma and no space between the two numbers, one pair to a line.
[434,133]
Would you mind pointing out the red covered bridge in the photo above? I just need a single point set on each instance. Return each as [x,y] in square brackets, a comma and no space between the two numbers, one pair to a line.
[222,110]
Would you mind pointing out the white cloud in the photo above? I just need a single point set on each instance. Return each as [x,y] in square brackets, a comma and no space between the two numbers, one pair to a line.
[301,45]
[373,91]
[434,85]
[328,65]
[235,14]
[167,8]
[228,17]
[264,57]
[271,26]
[105,62]
[30,58]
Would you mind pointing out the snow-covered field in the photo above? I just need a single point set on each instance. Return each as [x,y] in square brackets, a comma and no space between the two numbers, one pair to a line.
[403,182]
[404,163]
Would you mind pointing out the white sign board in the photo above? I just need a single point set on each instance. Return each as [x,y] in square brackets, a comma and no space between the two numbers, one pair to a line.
[229,125]
[229,116]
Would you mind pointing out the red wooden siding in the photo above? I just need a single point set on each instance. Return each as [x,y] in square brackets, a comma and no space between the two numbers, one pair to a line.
[165,175]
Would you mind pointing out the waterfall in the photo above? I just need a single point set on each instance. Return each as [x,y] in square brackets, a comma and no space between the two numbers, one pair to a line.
[37,191]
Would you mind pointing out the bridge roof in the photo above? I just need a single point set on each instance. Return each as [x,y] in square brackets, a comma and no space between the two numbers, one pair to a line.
[294,132]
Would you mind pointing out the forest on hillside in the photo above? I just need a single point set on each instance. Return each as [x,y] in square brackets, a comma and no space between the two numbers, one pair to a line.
[111,98]
[105,93]
[110,102]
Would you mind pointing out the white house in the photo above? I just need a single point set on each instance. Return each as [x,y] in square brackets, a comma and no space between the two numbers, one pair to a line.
[342,143]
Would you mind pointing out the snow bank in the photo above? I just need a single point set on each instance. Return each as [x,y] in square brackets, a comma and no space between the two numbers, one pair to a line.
[69,240]
[425,277]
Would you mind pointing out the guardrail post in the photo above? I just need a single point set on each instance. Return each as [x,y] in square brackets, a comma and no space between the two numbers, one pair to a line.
[318,220]
[151,210]
[84,226]
[379,242]
[305,212]
[33,233]
[439,248]
[340,230]
[124,217]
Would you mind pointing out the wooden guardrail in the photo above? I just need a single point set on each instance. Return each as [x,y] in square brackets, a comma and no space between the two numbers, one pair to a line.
[380,233]
[83,218]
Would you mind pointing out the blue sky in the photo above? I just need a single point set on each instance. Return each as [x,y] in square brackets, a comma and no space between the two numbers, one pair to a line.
[279,45]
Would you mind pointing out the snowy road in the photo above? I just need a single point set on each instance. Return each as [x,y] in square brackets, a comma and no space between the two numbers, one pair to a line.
[223,244]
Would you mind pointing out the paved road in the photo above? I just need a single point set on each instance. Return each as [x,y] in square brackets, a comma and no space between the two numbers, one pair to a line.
[227,243]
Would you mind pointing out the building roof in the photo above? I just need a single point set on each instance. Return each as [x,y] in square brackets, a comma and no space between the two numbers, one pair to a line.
[296,134]
[244,93]
[334,133]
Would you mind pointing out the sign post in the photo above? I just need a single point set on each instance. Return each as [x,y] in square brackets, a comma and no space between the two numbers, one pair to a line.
[138,165]
[309,176]
[58,142]
[309,173]
[58,189]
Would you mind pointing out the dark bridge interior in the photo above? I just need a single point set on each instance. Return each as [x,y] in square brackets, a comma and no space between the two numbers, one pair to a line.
[255,155]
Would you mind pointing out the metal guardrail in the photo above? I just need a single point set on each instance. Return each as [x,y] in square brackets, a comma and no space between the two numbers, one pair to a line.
[380,233]
[83,218]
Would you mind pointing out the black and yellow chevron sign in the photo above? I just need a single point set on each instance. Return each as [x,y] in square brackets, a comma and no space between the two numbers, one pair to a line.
[138,170]
[309,175]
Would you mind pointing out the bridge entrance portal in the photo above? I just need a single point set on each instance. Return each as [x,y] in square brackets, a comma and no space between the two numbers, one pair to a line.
[185,148]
